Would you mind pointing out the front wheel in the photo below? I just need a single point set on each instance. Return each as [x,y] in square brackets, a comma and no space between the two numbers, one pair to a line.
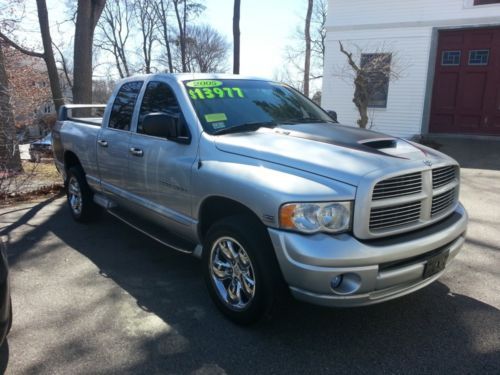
[80,197]
[241,271]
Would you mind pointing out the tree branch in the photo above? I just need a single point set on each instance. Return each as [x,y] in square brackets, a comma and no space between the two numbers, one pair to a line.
[10,42]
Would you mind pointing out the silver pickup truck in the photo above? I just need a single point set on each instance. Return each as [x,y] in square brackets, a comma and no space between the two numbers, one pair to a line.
[266,188]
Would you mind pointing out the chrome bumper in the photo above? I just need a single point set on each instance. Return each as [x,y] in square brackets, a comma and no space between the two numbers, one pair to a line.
[376,270]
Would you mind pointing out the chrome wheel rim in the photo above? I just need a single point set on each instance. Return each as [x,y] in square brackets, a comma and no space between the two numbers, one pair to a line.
[75,196]
[232,273]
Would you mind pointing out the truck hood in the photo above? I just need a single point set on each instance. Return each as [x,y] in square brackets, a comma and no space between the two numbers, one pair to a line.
[342,153]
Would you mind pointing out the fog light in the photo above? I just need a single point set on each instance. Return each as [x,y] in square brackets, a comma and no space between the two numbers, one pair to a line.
[336,281]
[346,283]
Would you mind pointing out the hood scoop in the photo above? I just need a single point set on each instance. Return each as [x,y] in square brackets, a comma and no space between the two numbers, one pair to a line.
[380,144]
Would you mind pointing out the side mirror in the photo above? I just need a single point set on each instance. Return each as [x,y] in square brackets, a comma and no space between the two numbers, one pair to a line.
[333,115]
[164,126]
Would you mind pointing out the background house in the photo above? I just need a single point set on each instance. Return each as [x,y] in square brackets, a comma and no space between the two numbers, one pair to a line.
[447,54]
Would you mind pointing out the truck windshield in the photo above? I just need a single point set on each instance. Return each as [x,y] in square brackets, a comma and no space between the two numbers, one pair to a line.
[229,103]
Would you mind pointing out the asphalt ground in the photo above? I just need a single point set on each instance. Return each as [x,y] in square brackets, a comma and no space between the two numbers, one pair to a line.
[103,298]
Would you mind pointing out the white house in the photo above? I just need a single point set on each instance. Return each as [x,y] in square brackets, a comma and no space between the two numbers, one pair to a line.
[447,53]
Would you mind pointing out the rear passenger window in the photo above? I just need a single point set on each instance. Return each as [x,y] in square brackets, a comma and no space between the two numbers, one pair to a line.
[123,106]
[159,97]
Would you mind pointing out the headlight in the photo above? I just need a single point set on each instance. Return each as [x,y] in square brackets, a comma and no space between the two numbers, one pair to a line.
[332,217]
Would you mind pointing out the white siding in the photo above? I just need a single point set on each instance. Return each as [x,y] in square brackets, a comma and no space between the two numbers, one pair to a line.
[403,115]
[403,27]
[370,13]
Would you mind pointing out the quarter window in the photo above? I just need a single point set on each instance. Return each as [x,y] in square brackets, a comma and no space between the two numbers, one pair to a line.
[159,97]
[377,70]
[451,58]
[123,106]
[479,57]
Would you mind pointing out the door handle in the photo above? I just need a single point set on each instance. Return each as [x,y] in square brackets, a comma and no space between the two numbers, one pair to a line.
[136,151]
[102,143]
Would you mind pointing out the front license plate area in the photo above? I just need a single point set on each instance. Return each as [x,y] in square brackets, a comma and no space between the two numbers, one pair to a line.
[436,264]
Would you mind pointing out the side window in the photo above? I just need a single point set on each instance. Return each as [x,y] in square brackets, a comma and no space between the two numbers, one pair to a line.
[159,97]
[123,106]
[377,70]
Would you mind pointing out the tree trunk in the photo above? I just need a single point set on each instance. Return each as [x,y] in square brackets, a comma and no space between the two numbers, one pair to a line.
[236,37]
[182,36]
[307,59]
[87,15]
[10,159]
[55,86]
[163,19]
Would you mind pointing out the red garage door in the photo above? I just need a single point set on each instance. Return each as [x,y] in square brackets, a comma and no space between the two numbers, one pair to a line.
[466,93]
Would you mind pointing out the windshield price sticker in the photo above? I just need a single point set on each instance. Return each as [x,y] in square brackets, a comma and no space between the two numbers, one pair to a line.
[215,93]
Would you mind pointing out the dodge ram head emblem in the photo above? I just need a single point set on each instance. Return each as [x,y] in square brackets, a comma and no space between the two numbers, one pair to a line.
[428,163]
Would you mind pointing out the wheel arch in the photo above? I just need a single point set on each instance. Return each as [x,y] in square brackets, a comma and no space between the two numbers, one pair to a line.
[215,208]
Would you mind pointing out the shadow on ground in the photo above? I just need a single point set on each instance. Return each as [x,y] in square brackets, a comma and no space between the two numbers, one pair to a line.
[431,331]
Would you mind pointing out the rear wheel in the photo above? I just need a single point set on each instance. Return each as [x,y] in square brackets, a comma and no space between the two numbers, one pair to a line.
[241,271]
[80,197]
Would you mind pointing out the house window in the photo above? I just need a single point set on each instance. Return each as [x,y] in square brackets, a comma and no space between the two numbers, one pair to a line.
[47,108]
[484,2]
[377,69]
[450,58]
[479,57]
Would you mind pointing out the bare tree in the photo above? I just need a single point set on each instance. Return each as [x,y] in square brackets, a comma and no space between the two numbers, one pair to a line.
[236,37]
[9,149]
[114,28]
[162,9]
[370,76]
[48,54]
[147,18]
[206,49]
[184,10]
[295,52]
[87,16]
[307,38]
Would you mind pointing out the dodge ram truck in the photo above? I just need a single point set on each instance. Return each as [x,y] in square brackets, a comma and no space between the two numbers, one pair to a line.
[266,188]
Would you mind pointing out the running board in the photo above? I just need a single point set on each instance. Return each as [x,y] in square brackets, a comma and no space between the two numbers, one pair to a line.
[155,232]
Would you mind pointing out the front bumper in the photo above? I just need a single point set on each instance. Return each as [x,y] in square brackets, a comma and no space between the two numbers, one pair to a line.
[376,270]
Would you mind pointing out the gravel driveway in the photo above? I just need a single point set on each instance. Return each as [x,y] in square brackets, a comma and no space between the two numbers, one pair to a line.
[102,298]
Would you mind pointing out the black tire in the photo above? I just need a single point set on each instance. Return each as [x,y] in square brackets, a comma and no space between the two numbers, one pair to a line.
[269,290]
[86,210]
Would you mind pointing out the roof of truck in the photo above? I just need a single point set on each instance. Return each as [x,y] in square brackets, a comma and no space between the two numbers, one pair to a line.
[194,76]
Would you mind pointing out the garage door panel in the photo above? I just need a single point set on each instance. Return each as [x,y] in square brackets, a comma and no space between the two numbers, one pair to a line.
[472,93]
[446,89]
[468,122]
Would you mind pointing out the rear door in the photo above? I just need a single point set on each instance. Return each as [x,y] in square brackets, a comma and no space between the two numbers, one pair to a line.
[160,169]
[113,140]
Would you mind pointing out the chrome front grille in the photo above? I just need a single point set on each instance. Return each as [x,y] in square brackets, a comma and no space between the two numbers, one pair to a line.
[398,186]
[443,201]
[408,201]
[402,214]
[443,176]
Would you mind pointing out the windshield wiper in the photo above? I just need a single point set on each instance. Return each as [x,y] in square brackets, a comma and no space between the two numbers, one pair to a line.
[248,126]
[305,120]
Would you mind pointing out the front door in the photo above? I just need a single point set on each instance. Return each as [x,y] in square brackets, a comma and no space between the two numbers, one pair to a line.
[466,93]
[159,170]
